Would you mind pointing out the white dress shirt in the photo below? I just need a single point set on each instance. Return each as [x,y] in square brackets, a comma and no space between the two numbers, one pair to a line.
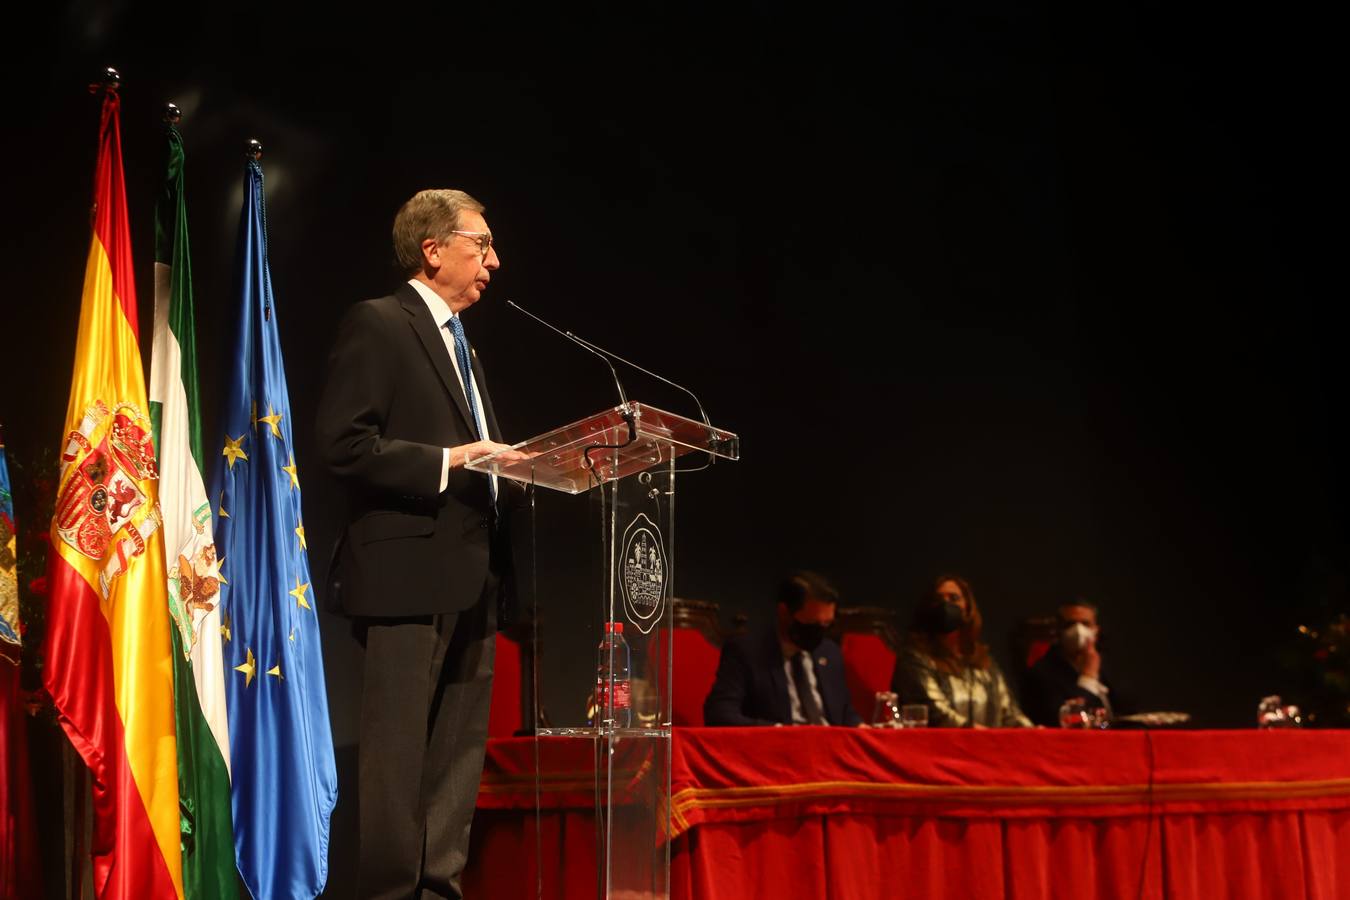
[798,715]
[441,314]
[1096,688]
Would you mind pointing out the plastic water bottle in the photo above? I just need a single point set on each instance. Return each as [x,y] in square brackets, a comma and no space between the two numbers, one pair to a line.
[614,647]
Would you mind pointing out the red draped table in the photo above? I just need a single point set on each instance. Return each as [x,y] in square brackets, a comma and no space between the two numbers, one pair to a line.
[848,813]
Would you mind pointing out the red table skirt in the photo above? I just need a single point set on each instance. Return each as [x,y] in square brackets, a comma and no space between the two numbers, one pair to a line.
[842,813]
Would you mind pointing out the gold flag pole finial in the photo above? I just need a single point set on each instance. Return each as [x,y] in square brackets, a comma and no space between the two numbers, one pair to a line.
[108,80]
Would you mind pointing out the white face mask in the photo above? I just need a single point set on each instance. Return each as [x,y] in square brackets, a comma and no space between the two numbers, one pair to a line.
[1078,636]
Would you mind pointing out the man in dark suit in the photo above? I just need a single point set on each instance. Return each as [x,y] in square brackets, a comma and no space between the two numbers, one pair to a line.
[790,674]
[1072,667]
[424,555]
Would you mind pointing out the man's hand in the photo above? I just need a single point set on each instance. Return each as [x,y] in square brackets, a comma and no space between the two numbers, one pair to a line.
[462,454]
[1088,661]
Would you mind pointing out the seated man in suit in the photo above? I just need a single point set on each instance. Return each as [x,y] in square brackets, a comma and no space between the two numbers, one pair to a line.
[1072,667]
[789,674]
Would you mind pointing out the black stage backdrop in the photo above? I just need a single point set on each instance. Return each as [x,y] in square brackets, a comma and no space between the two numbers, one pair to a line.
[1027,293]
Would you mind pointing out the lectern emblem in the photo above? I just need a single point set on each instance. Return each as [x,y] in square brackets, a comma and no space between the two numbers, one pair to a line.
[643,573]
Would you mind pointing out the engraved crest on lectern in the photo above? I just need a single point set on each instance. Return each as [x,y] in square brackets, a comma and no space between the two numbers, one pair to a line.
[643,573]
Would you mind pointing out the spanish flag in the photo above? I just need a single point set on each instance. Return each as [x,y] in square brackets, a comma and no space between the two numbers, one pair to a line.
[109,665]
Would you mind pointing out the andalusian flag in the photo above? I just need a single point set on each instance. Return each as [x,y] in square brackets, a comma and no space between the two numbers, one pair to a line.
[109,653]
[194,601]
[281,746]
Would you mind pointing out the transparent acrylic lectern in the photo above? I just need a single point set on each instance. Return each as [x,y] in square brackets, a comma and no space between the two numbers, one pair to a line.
[609,560]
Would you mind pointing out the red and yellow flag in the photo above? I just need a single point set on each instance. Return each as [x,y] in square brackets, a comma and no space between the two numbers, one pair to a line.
[109,667]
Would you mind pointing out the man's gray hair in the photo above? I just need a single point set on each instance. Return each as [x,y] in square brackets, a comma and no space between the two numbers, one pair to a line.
[431,214]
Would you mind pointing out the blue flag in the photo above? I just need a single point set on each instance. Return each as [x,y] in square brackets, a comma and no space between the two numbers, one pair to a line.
[284,780]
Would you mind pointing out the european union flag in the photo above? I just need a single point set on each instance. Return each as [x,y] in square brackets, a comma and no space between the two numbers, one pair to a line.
[284,781]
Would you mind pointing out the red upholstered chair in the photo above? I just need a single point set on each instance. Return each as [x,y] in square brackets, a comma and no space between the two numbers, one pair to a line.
[505,716]
[512,706]
[1032,637]
[870,639]
[698,646]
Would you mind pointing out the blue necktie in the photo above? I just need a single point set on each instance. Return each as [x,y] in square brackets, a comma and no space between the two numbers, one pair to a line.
[466,375]
[466,371]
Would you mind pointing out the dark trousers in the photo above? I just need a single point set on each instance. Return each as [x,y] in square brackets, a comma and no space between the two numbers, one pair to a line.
[424,720]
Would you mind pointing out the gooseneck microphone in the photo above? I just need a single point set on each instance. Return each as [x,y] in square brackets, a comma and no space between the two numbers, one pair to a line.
[634,365]
[624,410]
[595,351]
[713,440]
[715,443]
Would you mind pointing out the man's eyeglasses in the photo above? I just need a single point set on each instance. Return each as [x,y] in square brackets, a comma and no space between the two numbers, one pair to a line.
[484,240]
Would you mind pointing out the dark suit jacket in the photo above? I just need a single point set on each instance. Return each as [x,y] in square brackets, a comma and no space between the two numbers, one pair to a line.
[751,686]
[390,405]
[1052,680]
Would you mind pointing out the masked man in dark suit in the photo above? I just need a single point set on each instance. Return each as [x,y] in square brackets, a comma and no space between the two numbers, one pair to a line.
[790,674]
[1072,669]
[425,553]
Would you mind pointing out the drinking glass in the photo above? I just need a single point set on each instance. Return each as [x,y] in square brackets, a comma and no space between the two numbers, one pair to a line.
[1073,713]
[885,711]
[914,715]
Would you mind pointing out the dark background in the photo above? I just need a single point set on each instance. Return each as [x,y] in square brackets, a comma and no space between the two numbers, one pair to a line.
[1034,294]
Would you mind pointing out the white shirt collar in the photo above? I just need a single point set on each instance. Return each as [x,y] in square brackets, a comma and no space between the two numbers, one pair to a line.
[440,310]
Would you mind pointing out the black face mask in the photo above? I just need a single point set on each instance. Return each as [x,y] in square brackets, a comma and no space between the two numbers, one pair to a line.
[944,618]
[804,635]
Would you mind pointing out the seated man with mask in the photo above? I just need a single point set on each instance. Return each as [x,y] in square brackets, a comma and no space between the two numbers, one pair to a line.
[790,673]
[1072,667]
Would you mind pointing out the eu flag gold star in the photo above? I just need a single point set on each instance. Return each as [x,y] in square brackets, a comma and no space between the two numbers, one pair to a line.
[300,533]
[299,593]
[232,449]
[248,668]
[221,506]
[225,627]
[290,470]
[220,576]
[276,670]
[272,418]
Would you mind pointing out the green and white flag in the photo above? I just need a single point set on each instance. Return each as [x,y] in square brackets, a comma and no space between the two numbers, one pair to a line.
[194,572]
